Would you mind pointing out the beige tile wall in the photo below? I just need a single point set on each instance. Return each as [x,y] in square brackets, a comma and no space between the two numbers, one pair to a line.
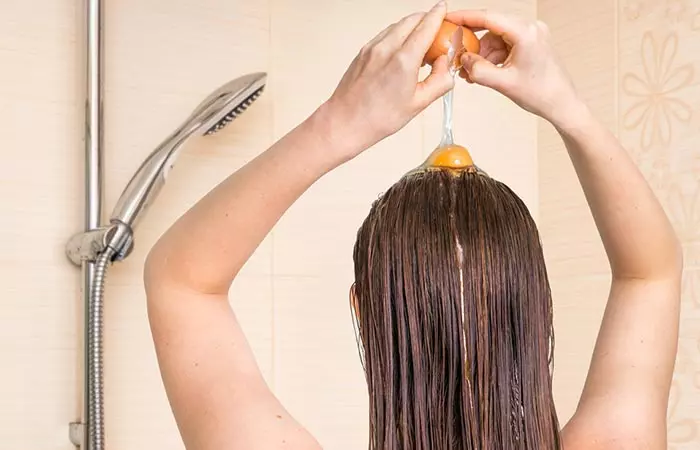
[292,297]
[636,63]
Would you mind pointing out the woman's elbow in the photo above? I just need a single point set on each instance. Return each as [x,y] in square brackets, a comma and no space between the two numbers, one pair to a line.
[167,269]
[670,265]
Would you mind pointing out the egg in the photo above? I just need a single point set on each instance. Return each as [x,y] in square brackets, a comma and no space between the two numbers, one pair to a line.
[450,157]
[443,40]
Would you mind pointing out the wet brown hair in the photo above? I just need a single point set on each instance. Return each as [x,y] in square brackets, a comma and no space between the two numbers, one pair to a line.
[454,317]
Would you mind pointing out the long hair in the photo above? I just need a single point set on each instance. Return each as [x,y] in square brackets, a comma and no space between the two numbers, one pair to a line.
[454,316]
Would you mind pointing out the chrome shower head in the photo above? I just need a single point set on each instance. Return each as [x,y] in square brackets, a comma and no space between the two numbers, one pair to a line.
[228,102]
[214,113]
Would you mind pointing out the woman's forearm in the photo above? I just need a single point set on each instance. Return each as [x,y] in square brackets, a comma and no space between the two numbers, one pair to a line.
[638,237]
[208,245]
[377,96]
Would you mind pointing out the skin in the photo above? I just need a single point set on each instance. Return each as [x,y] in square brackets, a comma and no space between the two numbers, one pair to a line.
[215,388]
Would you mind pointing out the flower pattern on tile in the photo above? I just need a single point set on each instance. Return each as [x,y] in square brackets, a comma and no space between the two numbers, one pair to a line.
[671,11]
[655,166]
[680,430]
[658,103]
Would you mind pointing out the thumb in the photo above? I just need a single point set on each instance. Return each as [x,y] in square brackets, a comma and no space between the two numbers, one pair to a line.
[482,71]
[437,84]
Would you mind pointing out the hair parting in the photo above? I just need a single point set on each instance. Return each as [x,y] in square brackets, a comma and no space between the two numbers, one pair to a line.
[454,317]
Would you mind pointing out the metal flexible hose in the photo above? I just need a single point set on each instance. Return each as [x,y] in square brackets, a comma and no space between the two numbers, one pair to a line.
[96,434]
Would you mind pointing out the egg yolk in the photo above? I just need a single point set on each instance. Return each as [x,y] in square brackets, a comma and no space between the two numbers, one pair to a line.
[450,157]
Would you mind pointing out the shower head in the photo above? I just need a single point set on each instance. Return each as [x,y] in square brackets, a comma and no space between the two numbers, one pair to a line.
[228,102]
[214,113]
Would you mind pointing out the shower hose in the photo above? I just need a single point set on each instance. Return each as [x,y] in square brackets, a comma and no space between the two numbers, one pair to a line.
[95,422]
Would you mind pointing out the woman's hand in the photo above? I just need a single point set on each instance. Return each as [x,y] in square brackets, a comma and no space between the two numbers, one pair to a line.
[517,60]
[380,92]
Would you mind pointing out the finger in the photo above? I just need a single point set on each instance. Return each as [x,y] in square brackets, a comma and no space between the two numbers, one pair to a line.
[484,72]
[422,37]
[463,74]
[497,57]
[435,85]
[396,34]
[406,21]
[512,29]
[380,36]
[494,48]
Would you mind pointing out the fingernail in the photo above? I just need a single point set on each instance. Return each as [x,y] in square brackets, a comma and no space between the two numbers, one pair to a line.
[440,4]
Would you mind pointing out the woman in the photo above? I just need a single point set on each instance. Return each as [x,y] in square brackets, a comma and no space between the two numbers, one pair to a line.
[216,391]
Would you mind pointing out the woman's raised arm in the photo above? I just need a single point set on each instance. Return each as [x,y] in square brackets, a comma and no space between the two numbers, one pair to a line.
[213,383]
